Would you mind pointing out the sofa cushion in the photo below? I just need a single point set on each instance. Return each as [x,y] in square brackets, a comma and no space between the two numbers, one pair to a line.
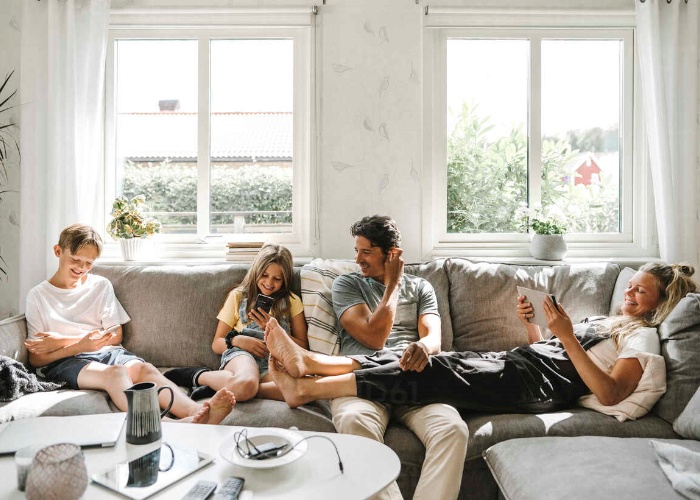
[580,467]
[680,346]
[173,309]
[688,423]
[483,297]
[317,295]
[13,333]
[486,430]
[56,403]
[620,286]
[434,272]
[268,413]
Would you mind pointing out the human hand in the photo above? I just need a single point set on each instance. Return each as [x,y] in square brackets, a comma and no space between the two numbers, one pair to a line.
[260,316]
[96,340]
[415,357]
[558,321]
[393,266]
[44,343]
[252,345]
[524,309]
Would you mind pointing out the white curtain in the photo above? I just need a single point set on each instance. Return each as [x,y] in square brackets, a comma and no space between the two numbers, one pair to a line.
[668,56]
[63,46]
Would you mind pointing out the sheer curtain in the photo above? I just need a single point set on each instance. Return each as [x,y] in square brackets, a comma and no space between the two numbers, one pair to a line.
[668,56]
[63,46]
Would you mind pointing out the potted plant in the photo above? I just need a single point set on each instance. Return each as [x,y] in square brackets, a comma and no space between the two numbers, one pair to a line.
[131,226]
[549,226]
[9,146]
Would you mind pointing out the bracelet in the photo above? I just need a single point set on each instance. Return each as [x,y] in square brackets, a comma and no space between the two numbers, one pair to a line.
[229,338]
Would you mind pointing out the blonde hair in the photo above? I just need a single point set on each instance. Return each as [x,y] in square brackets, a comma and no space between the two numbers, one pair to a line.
[673,282]
[77,236]
[270,254]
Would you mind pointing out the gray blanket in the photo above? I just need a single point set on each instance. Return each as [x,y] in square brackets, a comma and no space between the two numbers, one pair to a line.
[16,380]
[681,466]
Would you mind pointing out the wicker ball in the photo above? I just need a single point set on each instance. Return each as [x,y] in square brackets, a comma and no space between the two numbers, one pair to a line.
[57,472]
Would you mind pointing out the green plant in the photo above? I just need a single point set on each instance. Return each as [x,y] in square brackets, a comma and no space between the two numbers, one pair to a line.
[129,219]
[8,142]
[550,221]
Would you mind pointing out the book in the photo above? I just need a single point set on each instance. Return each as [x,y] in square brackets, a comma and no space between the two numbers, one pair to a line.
[245,244]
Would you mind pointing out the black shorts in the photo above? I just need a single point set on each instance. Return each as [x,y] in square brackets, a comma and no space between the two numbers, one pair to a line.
[67,369]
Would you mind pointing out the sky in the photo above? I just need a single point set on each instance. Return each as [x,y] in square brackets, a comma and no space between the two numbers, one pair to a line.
[580,82]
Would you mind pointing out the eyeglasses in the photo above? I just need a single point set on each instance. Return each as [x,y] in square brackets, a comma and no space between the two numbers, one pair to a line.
[249,450]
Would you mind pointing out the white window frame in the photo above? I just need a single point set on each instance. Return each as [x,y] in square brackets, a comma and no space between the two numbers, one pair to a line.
[204,25]
[637,239]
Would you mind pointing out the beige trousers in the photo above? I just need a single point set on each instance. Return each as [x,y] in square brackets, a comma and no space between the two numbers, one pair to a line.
[439,427]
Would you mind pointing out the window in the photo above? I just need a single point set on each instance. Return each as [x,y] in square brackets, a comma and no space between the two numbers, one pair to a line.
[524,117]
[212,125]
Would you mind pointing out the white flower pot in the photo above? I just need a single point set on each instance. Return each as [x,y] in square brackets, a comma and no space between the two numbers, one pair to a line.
[548,246]
[132,248]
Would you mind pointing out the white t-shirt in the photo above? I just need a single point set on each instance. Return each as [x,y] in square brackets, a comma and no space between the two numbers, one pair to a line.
[643,340]
[75,311]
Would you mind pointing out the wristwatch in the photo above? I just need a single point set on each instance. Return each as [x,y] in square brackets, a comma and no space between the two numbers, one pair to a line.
[229,338]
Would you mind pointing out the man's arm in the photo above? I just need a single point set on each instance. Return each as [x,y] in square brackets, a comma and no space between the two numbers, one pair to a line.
[371,329]
[416,355]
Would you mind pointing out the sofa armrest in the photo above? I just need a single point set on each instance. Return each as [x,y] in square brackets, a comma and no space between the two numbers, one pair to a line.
[13,333]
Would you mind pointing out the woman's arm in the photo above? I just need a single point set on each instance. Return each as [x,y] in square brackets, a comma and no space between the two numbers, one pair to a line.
[609,388]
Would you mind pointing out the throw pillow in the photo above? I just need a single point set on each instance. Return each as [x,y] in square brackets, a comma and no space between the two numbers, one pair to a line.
[680,347]
[316,294]
[651,387]
[688,423]
[617,297]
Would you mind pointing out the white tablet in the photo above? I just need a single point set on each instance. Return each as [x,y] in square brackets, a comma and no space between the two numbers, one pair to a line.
[536,298]
[147,475]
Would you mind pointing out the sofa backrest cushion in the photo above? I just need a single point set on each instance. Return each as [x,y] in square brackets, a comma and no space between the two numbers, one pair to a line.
[688,422]
[680,346]
[13,333]
[483,296]
[173,309]
[434,272]
[618,296]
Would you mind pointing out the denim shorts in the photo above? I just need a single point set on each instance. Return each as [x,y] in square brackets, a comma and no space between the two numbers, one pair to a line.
[229,354]
[67,369]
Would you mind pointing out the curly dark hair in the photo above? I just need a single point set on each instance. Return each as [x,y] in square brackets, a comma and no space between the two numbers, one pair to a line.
[380,230]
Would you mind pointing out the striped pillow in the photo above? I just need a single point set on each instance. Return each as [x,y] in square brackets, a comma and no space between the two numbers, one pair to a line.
[316,294]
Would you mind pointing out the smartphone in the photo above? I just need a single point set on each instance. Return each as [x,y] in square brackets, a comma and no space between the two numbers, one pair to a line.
[266,450]
[264,302]
[554,300]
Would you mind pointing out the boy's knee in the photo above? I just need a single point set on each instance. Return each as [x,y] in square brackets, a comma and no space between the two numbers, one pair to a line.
[146,371]
[116,371]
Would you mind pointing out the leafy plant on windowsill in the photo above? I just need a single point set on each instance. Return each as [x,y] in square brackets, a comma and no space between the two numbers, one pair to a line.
[541,221]
[129,219]
[8,142]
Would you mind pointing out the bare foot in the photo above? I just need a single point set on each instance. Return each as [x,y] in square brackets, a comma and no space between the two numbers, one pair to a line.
[291,388]
[201,417]
[285,351]
[219,406]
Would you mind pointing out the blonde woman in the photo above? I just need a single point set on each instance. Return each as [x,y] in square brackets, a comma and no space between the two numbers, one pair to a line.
[543,376]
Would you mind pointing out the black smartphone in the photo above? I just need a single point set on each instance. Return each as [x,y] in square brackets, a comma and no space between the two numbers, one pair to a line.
[264,302]
[266,450]
[554,300]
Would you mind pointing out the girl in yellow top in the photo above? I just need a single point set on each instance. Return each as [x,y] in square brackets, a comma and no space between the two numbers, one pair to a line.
[239,336]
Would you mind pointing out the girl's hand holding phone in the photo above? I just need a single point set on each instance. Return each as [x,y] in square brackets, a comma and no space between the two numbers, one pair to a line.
[260,316]
[254,346]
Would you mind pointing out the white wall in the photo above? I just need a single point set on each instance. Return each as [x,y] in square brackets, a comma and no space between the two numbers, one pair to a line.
[10,19]
[369,87]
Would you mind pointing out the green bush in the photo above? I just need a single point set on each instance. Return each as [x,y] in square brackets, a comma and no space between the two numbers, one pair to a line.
[173,188]
[487,181]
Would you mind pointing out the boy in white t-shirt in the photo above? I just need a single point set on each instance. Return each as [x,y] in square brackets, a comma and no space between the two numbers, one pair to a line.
[74,333]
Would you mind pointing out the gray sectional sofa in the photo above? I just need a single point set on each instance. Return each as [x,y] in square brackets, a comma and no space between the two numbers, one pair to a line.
[173,311]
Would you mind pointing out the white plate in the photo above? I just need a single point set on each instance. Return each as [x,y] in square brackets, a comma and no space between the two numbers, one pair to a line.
[259,435]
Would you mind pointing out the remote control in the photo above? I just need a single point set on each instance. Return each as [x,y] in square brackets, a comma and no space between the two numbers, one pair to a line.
[201,490]
[230,489]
